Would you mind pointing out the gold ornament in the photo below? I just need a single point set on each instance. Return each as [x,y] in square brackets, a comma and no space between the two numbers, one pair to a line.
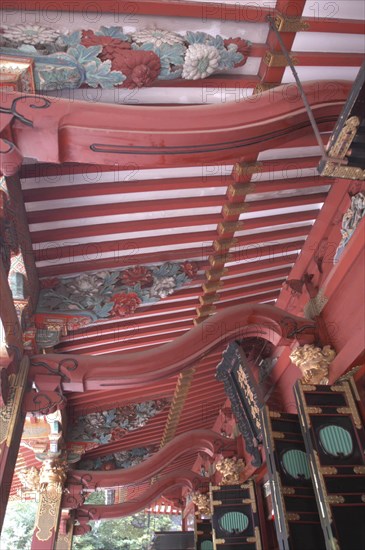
[231,469]
[202,502]
[52,473]
[29,478]
[51,479]
[313,362]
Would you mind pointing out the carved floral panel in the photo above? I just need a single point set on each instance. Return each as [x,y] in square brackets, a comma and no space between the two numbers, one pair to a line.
[91,297]
[99,428]
[110,57]
[350,221]
[120,459]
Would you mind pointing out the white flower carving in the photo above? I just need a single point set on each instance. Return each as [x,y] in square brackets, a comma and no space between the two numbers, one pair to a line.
[85,283]
[30,34]
[163,287]
[157,37]
[201,60]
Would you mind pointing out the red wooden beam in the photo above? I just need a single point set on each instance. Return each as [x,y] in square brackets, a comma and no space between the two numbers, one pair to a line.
[127,336]
[140,321]
[253,293]
[123,227]
[122,208]
[229,130]
[79,232]
[328,59]
[97,210]
[320,237]
[84,372]
[116,187]
[72,169]
[121,261]
[229,84]
[127,12]
[204,238]
[333,24]
[285,7]
[205,441]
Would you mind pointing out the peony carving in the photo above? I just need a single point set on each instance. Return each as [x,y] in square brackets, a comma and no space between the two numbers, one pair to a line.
[231,469]
[202,502]
[313,362]
[110,57]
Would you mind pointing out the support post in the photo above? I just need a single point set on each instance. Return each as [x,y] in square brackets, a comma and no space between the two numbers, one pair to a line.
[65,531]
[12,419]
[52,478]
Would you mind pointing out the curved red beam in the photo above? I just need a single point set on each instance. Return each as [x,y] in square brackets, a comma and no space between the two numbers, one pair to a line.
[206,441]
[59,130]
[139,368]
[181,478]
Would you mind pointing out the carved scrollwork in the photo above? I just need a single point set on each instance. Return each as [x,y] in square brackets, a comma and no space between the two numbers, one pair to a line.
[69,364]
[291,329]
[12,110]
[47,402]
[73,496]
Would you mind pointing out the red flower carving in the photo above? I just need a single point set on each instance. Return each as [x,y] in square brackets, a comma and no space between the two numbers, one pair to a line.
[109,465]
[140,67]
[77,322]
[138,274]
[125,304]
[189,268]
[111,46]
[118,433]
[243,47]
[49,283]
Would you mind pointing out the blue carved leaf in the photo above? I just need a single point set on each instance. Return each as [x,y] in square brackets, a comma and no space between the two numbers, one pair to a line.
[168,74]
[111,278]
[27,48]
[217,42]
[103,311]
[72,39]
[229,58]
[197,37]
[171,54]
[104,438]
[99,74]
[166,270]
[147,46]
[181,279]
[84,55]
[114,32]
[110,416]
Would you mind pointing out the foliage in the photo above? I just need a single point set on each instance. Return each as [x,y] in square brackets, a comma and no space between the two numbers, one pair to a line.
[18,526]
[129,533]
[124,533]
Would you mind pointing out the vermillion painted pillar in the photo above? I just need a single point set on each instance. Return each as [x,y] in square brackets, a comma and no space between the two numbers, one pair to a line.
[12,417]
